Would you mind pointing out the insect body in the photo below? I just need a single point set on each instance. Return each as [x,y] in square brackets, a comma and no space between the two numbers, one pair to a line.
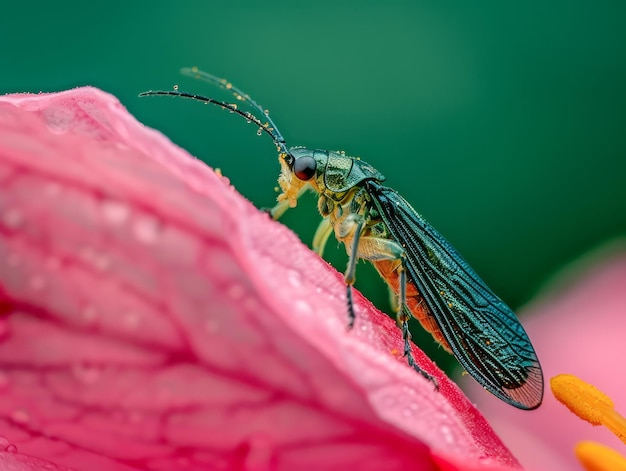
[428,278]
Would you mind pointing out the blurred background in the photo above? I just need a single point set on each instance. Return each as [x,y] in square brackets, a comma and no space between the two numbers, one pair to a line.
[504,125]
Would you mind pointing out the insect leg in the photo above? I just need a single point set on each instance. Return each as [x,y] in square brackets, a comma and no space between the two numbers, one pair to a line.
[403,317]
[278,210]
[350,274]
[323,232]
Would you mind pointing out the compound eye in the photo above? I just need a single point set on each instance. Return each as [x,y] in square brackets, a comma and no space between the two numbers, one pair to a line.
[304,168]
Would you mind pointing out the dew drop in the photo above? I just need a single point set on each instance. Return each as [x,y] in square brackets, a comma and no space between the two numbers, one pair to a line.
[58,119]
[12,218]
[20,416]
[146,229]
[176,87]
[115,212]
[294,278]
[259,131]
[303,308]
[10,448]
[447,434]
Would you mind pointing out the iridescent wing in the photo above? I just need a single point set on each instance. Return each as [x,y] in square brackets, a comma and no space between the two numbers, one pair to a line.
[483,332]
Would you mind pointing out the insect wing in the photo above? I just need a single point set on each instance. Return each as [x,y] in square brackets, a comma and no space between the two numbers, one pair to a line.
[484,334]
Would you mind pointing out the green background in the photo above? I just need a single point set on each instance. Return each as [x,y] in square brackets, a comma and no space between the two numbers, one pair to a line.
[503,124]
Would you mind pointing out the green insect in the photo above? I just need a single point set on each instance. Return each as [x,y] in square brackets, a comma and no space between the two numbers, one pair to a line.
[428,278]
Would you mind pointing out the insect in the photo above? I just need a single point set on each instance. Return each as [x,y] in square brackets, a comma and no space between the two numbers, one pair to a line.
[427,277]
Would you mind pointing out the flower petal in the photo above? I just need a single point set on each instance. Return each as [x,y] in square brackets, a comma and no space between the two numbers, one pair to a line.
[154,319]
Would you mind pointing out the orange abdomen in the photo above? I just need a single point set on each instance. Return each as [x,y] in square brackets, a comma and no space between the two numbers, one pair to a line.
[414,301]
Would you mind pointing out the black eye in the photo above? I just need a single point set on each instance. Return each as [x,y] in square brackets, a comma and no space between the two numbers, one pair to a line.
[304,168]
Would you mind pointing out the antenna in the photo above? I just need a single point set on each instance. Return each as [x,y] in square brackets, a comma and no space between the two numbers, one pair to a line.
[268,127]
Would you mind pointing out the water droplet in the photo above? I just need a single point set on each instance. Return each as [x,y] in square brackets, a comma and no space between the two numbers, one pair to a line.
[115,212]
[259,131]
[4,442]
[294,278]
[12,218]
[58,119]
[446,433]
[176,87]
[20,416]
[303,308]
[10,448]
[146,229]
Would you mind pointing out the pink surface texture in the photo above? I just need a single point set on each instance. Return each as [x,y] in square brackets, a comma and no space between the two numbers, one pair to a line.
[153,319]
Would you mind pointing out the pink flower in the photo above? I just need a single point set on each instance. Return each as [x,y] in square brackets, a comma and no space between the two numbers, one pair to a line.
[152,318]
[577,328]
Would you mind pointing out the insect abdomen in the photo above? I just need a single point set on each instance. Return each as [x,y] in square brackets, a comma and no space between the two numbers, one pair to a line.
[414,301]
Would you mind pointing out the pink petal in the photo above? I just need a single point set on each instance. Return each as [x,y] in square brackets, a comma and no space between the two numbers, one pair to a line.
[577,327]
[154,319]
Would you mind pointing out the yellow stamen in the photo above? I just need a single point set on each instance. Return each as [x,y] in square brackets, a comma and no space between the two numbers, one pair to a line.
[596,457]
[588,403]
